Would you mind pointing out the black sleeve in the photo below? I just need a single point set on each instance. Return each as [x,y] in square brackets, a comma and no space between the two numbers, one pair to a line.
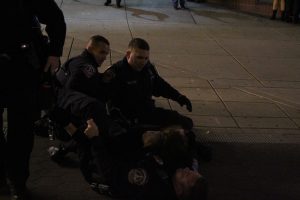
[52,16]
[161,87]
[111,81]
[89,85]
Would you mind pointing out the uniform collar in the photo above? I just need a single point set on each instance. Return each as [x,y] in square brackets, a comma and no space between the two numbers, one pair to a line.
[89,56]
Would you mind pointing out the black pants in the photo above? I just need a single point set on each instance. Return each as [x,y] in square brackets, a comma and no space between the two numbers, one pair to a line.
[163,117]
[2,148]
[296,11]
[181,2]
[117,1]
[85,107]
[18,93]
[289,9]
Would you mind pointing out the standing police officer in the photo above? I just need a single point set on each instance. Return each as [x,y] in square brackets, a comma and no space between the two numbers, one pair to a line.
[19,78]
[134,81]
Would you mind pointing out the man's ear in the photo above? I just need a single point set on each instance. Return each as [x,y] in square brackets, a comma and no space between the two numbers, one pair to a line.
[90,49]
[128,52]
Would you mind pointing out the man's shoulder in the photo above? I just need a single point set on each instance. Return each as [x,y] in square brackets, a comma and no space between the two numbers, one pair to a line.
[118,67]
[119,64]
[81,61]
[150,69]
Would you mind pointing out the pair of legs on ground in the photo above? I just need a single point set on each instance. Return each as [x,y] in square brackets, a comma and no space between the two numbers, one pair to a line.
[108,2]
[181,3]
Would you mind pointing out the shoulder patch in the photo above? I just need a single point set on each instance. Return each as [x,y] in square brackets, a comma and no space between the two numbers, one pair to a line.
[89,70]
[138,176]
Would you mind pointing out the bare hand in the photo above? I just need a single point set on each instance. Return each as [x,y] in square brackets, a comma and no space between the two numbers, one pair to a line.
[53,63]
[91,129]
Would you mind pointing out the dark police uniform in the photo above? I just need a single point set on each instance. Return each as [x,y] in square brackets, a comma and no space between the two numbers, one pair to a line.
[135,175]
[83,76]
[132,171]
[19,75]
[133,91]
[82,91]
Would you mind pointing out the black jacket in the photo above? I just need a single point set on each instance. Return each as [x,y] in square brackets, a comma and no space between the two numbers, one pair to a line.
[16,19]
[133,90]
[158,184]
[80,74]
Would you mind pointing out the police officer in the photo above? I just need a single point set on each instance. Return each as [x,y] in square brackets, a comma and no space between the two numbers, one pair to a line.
[135,81]
[19,77]
[82,91]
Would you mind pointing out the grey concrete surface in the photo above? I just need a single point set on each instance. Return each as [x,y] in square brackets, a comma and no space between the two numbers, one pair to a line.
[241,73]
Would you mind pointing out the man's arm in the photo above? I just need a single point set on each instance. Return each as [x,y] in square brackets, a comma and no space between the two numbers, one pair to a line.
[51,15]
[164,89]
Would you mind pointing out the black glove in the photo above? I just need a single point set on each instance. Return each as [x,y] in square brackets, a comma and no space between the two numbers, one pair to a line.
[183,100]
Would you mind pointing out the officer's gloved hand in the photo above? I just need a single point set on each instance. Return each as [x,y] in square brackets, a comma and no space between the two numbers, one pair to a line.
[183,100]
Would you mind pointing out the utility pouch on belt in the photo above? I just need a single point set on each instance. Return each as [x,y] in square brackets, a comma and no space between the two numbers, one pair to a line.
[63,73]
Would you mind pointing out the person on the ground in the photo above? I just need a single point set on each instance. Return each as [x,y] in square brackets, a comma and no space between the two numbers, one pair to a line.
[154,164]
[19,80]
[157,166]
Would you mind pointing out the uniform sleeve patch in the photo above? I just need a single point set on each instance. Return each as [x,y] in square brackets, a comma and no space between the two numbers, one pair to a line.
[89,70]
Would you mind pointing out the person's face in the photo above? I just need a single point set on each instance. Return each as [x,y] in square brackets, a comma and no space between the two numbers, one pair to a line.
[184,180]
[137,58]
[100,52]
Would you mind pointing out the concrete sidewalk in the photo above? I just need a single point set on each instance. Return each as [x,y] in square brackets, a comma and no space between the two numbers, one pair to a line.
[240,71]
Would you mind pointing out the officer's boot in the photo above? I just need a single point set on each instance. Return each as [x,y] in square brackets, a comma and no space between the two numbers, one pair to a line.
[118,3]
[274,15]
[107,3]
[282,15]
